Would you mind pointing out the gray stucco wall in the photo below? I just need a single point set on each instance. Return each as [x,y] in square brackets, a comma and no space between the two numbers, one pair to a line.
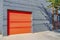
[1,15]
[26,5]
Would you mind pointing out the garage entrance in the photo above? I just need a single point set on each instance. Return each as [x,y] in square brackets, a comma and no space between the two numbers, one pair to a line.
[18,22]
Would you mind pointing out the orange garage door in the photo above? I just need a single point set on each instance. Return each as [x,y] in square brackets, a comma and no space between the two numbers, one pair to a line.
[18,22]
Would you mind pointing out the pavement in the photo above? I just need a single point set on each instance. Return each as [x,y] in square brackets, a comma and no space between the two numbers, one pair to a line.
[46,35]
[1,37]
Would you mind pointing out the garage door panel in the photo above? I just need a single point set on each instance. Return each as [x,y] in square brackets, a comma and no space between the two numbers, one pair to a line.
[20,21]
[19,31]
[20,24]
[20,17]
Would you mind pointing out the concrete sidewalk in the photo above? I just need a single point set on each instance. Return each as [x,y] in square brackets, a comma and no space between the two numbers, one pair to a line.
[47,35]
[1,37]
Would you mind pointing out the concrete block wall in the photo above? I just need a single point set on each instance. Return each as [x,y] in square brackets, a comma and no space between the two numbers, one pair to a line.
[1,15]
